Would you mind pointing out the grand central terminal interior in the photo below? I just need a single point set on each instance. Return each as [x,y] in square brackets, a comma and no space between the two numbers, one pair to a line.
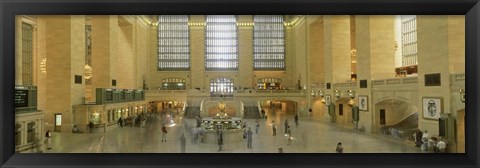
[240,84]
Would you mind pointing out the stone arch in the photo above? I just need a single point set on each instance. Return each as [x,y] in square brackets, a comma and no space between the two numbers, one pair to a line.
[285,105]
[394,110]
[343,112]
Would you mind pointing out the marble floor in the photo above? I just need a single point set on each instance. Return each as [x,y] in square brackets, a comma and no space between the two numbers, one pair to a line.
[311,136]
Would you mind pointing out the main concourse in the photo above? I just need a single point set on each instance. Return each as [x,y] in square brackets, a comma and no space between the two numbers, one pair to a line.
[309,137]
[136,83]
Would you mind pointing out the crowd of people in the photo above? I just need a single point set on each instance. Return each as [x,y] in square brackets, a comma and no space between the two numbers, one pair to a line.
[427,143]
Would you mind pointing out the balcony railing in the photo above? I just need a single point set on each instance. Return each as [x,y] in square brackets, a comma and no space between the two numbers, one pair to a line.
[395,81]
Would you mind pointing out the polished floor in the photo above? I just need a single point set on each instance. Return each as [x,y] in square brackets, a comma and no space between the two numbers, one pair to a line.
[311,136]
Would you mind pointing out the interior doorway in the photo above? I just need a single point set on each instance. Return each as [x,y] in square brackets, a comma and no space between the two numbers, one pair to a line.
[382,117]
[58,122]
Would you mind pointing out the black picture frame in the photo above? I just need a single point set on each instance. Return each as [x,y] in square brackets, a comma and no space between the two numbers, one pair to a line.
[10,8]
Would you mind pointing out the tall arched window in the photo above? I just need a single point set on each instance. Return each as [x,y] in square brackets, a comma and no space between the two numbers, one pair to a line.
[221,49]
[27,54]
[409,40]
[221,86]
[173,43]
[173,84]
[268,42]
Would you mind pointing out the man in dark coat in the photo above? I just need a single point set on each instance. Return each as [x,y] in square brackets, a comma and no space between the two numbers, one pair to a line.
[220,140]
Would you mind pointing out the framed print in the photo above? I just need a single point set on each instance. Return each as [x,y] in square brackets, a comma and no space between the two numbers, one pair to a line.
[363,103]
[432,107]
[328,99]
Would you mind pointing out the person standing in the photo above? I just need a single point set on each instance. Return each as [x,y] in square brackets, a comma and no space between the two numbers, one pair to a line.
[164,133]
[48,135]
[274,128]
[296,120]
[256,127]
[183,143]
[220,140]
[280,150]
[339,148]
[249,138]
[418,138]
[441,146]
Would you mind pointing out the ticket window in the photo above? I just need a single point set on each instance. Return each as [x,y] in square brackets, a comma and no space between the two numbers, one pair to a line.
[58,122]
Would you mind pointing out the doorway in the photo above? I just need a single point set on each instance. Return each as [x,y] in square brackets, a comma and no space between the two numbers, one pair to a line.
[382,117]
[58,122]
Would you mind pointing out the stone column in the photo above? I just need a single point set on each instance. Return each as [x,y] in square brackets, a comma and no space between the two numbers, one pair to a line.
[104,50]
[65,51]
[441,50]
[197,52]
[375,37]
[245,50]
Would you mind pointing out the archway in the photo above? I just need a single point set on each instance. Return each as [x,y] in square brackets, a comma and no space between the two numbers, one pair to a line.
[392,111]
[283,107]
[343,112]
[319,109]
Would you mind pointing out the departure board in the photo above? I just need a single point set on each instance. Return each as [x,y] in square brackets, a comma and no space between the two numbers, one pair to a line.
[21,98]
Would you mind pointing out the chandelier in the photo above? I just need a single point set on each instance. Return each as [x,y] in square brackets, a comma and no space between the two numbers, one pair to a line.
[43,66]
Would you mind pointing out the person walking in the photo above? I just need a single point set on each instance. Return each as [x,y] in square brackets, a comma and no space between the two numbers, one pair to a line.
[289,139]
[286,126]
[90,126]
[289,130]
[48,135]
[183,143]
[339,148]
[249,138]
[220,140]
[256,127]
[120,122]
[274,128]
[296,120]
[164,133]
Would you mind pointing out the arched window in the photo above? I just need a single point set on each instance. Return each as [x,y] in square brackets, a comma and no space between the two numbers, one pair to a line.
[27,54]
[173,43]
[174,84]
[221,86]
[268,42]
[221,44]
[269,84]
[409,40]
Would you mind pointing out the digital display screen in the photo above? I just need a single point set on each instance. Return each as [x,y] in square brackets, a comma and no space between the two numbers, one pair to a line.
[21,98]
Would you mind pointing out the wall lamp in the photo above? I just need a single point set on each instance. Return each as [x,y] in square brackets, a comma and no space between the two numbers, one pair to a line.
[462,95]
[351,94]
[320,93]
[337,93]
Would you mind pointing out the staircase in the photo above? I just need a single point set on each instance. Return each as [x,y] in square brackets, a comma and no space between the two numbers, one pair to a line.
[251,112]
[406,127]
